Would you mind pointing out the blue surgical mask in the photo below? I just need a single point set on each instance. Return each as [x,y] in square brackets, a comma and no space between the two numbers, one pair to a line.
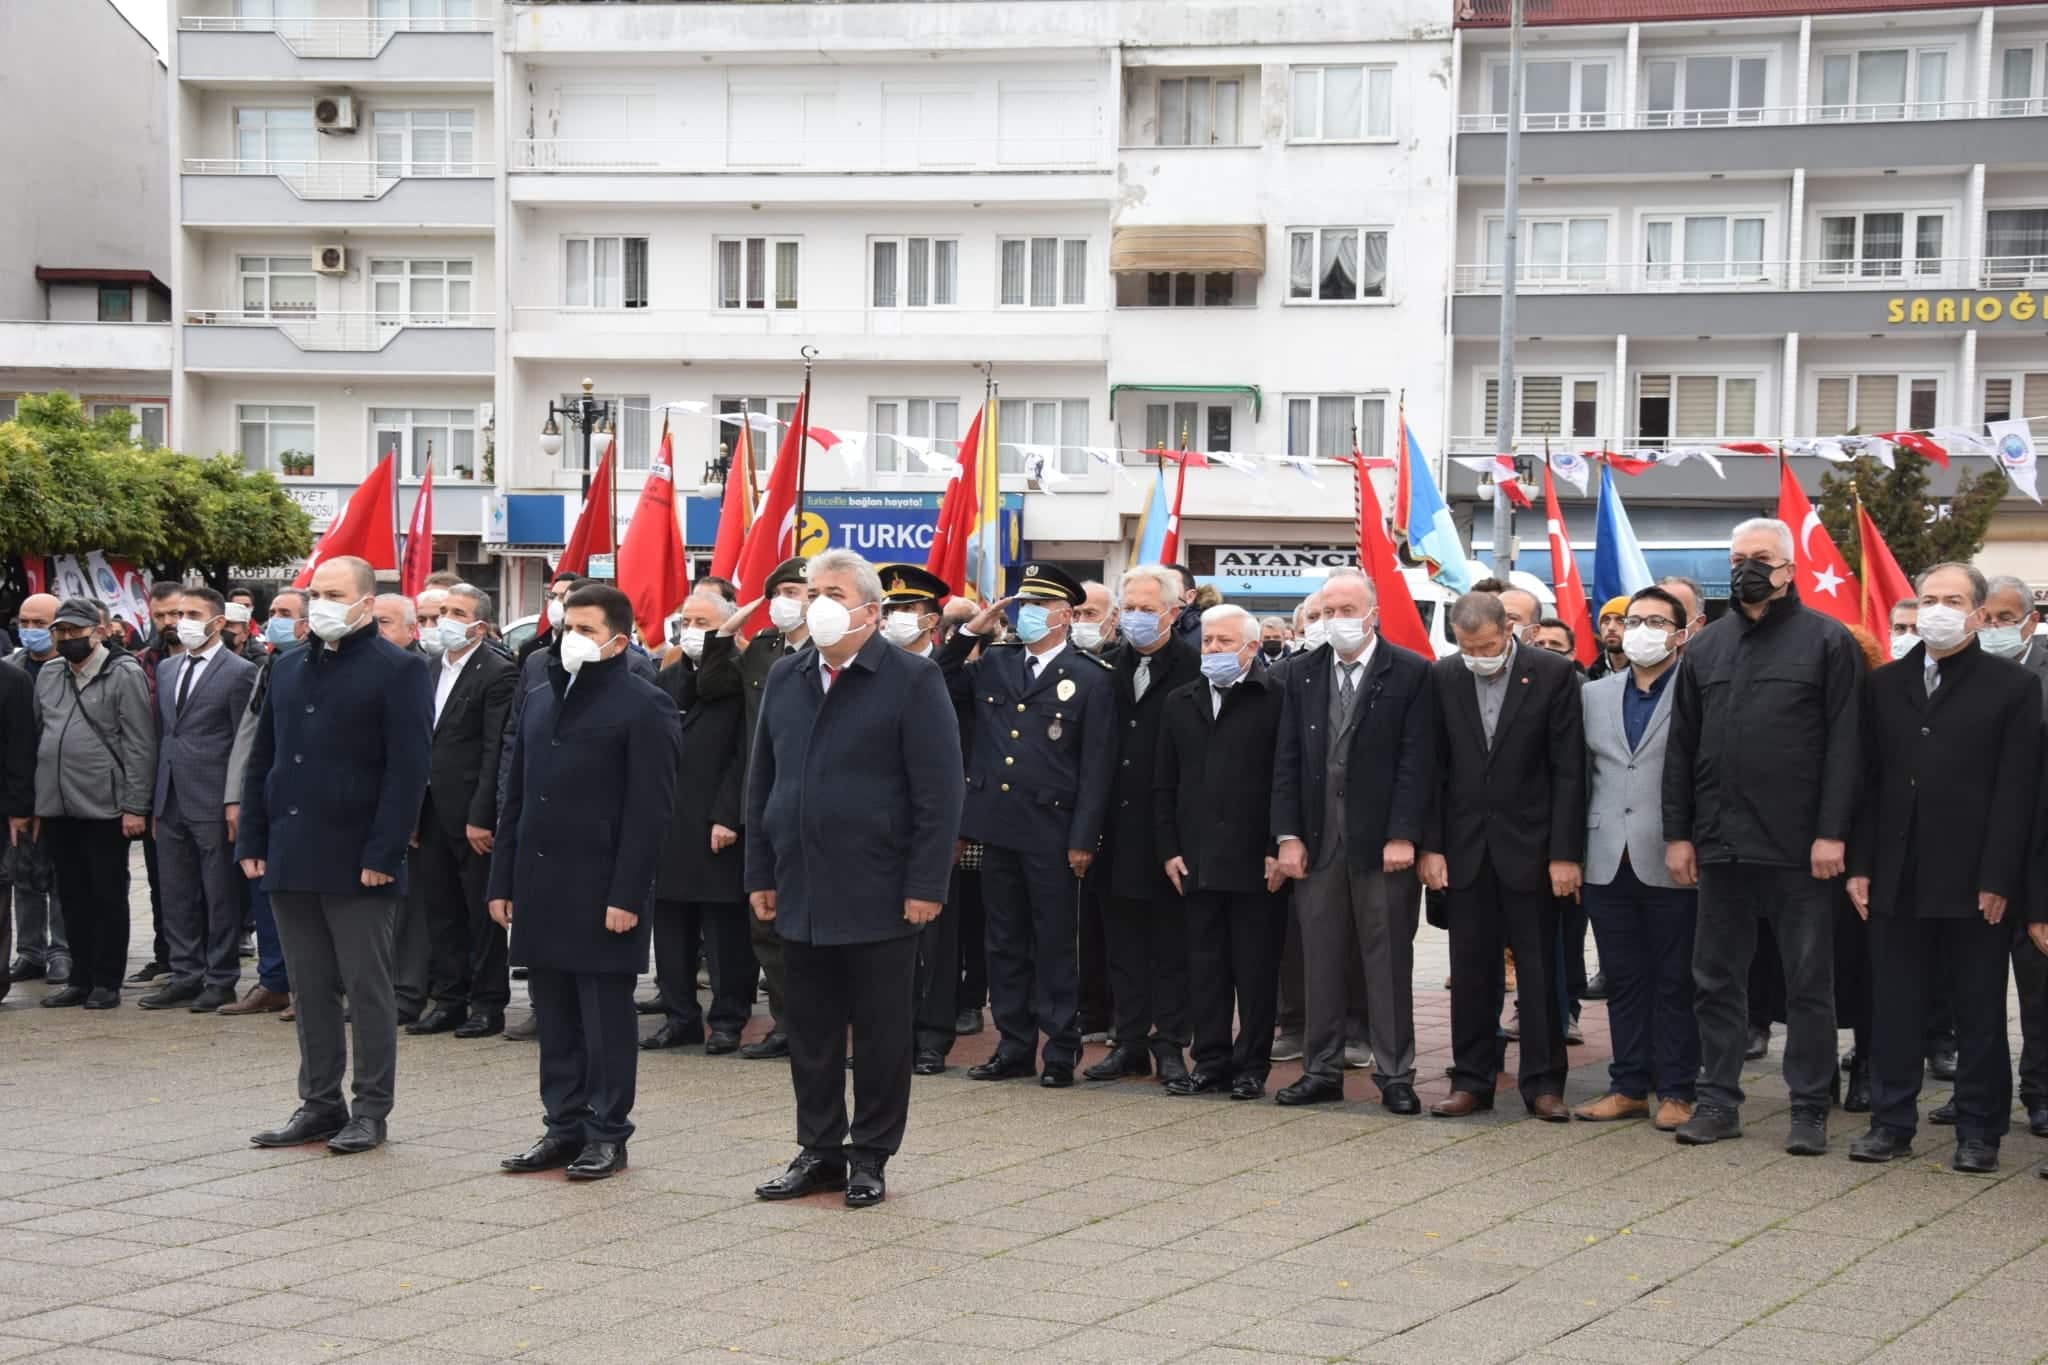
[1031,623]
[1221,669]
[35,639]
[1141,628]
[454,634]
[281,631]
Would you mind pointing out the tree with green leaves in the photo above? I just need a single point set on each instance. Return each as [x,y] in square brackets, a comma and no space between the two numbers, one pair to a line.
[70,484]
[1913,524]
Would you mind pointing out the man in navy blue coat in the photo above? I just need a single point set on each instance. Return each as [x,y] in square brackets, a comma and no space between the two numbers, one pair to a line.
[333,788]
[592,785]
[853,804]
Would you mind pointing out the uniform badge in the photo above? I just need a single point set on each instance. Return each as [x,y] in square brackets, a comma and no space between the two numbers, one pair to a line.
[1065,692]
[1053,731]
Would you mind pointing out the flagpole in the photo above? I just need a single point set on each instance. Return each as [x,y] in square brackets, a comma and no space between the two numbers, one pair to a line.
[398,538]
[1504,402]
[803,448]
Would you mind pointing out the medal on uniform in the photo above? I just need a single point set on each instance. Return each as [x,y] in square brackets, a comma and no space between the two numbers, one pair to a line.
[1053,731]
[1065,692]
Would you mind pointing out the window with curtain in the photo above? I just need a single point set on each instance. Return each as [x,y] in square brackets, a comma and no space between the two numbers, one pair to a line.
[1863,404]
[424,141]
[635,435]
[1331,425]
[147,422]
[1060,422]
[1186,289]
[604,272]
[276,286]
[1342,103]
[1197,111]
[2018,89]
[446,436]
[937,419]
[1336,265]
[1552,249]
[1704,249]
[1043,272]
[420,291]
[2015,243]
[758,272]
[282,137]
[270,431]
[1703,91]
[1884,83]
[915,272]
[1551,405]
[766,438]
[1560,93]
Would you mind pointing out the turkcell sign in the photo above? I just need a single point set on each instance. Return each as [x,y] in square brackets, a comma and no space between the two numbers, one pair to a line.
[879,526]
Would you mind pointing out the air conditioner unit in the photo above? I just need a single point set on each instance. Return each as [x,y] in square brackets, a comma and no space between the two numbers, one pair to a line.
[335,113]
[330,260]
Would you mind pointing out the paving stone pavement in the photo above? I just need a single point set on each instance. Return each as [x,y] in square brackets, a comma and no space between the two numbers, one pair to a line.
[1098,1224]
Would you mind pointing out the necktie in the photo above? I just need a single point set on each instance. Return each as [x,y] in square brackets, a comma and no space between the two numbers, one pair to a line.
[831,677]
[1933,675]
[1348,686]
[192,666]
[1031,662]
[1141,679]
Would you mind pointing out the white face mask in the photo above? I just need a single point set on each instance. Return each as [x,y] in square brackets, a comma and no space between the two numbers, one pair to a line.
[1645,646]
[901,628]
[329,620]
[1485,665]
[1942,627]
[1087,635]
[578,650]
[193,634]
[691,640]
[787,613]
[2004,641]
[556,611]
[1346,633]
[1317,635]
[453,636]
[829,622]
[1902,644]
[430,640]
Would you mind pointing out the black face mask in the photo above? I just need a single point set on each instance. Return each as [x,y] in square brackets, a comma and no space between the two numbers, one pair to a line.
[1750,582]
[1273,649]
[75,651]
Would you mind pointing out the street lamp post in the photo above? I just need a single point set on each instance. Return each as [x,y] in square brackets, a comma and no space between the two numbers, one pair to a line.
[593,417]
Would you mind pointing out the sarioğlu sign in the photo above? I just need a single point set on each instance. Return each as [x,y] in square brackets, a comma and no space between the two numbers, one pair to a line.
[2018,305]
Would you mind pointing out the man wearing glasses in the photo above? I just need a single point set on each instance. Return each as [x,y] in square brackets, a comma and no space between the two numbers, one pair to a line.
[1760,786]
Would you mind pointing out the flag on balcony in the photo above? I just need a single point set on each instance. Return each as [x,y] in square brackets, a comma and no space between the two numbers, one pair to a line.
[1564,578]
[959,511]
[985,543]
[654,572]
[773,536]
[1400,622]
[1169,540]
[1619,569]
[418,561]
[1885,584]
[1151,530]
[366,527]
[1823,576]
[1423,520]
[736,510]
[592,534]
[2014,442]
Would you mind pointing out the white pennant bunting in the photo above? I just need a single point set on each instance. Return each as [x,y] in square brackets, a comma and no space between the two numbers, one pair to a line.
[853,449]
[1304,466]
[2014,442]
[1961,441]
[1680,454]
[689,405]
[1571,466]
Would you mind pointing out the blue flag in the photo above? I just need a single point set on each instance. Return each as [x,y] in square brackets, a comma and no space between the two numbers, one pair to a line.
[1619,568]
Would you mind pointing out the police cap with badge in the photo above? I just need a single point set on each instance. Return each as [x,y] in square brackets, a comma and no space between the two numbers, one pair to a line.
[905,585]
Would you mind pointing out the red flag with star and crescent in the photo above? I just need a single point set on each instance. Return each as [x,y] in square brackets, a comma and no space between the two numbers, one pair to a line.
[1825,583]
[1565,581]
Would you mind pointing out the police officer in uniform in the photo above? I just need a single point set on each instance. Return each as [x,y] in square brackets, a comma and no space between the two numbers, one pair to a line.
[1044,718]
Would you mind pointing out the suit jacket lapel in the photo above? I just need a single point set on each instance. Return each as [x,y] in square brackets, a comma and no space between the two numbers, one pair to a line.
[1518,685]
[1047,673]
[1660,714]
[1465,697]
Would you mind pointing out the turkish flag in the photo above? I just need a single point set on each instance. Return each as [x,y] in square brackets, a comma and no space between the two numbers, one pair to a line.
[1885,584]
[773,536]
[1400,622]
[736,511]
[364,527]
[1823,576]
[654,573]
[1564,578]
[419,541]
[1169,546]
[1924,447]
[592,534]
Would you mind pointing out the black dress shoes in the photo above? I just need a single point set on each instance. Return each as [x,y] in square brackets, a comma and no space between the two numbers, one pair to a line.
[1311,1090]
[773,1046]
[719,1044]
[928,1063]
[1974,1157]
[440,1019]
[1247,1088]
[1941,1061]
[22,969]
[1195,1083]
[808,1174]
[103,998]
[1596,987]
[1125,1059]
[70,995]
[148,972]
[1759,1042]
[359,1134]
[1399,1098]
[1056,1077]
[1945,1115]
[653,1005]
[1001,1068]
[1171,1067]
[2037,1119]
[172,995]
[670,1035]
[307,1125]
[1880,1145]
[598,1161]
[482,1024]
[547,1154]
[1857,1100]
[211,999]
[864,1187]
[968,1021]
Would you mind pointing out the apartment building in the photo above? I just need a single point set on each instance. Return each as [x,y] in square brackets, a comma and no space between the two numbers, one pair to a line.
[1741,223]
[84,247]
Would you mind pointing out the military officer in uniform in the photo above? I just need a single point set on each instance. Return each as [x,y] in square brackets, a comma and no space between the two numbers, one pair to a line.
[1043,742]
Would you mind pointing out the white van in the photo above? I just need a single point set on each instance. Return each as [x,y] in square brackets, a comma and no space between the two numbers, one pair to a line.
[1433,600]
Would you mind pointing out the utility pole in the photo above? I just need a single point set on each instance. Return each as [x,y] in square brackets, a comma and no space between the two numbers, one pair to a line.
[1504,401]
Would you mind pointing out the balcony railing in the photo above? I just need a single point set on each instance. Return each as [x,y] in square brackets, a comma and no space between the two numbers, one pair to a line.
[951,155]
[979,321]
[332,37]
[338,179]
[1999,272]
[313,331]
[1753,116]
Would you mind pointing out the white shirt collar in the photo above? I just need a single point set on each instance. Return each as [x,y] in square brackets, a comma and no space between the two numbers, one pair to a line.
[1043,659]
[451,664]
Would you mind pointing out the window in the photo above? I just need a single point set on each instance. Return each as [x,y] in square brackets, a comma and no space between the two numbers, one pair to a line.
[1197,111]
[1044,272]
[1696,92]
[276,286]
[1328,426]
[2019,81]
[937,419]
[424,9]
[1555,94]
[8,407]
[116,303]
[1881,246]
[1884,83]
[2005,397]
[447,436]
[746,266]
[1207,427]
[1336,265]
[767,438]
[424,141]
[1187,289]
[631,419]
[146,420]
[1552,249]
[1869,403]
[1704,249]
[1693,407]
[421,291]
[915,272]
[2015,248]
[604,272]
[1343,103]
[273,9]
[1061,422]
[1552,405]
[275,136]
[269,432]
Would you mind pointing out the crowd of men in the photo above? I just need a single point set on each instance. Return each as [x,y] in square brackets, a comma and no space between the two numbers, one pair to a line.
[1132,815]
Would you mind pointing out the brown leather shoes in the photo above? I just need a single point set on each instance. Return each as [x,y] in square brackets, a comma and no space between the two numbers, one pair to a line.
[257,1000]
[291,1013]
[1460,1104]
[1671,1113]
[1549,1108]
[1609,1108]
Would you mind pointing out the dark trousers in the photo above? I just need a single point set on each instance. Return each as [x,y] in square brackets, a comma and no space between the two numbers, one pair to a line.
[972,933]
[1147,939]
[1975,953]
[90,858]
[2030,975]
[270,971]
[1293,1013]
[1571,955]
[589,1040]
[767,946]
[468,967]
[1485,916]
[866,988]
[1030,901]
[1358,950]
[202,896]
[1766,978]
[1853,1008]
[152,869]
[1645,935]
[937,984]
[1234,940]
[1095,1000]
[1734,897]
[685,933]
[336,947]
[412,950]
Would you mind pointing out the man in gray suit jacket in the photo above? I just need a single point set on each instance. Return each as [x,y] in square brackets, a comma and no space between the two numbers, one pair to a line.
[2011,630]
[1641,918]
[201,693]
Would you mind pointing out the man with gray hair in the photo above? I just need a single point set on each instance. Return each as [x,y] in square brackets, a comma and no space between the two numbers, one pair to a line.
[2010,625]
[1761,774]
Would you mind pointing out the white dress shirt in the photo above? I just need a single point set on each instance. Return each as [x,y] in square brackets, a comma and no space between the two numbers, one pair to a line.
[193,669]
[451,669]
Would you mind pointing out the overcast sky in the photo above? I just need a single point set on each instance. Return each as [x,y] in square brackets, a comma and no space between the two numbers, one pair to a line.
[148,15]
